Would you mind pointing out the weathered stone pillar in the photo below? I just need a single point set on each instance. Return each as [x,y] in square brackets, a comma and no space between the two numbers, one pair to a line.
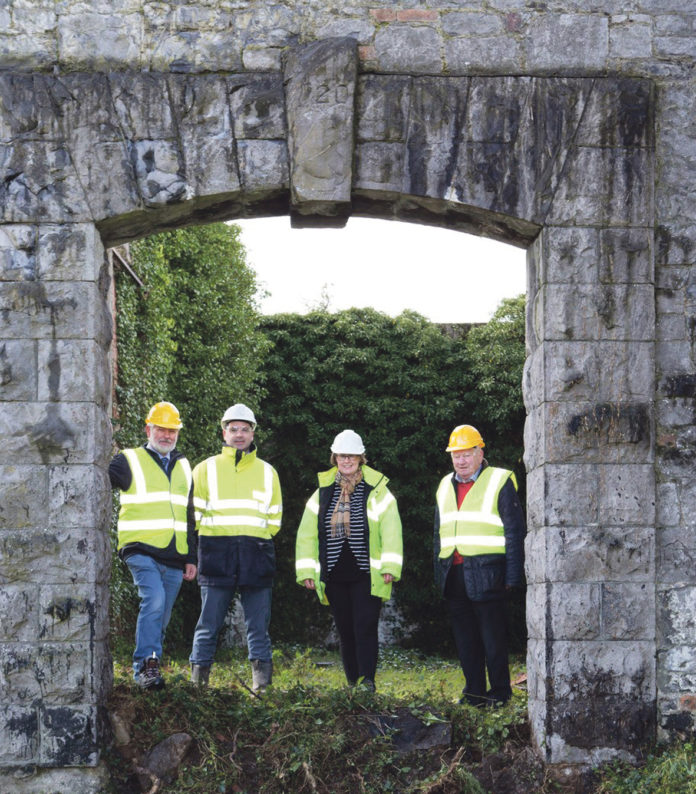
[54,504]
[589,446]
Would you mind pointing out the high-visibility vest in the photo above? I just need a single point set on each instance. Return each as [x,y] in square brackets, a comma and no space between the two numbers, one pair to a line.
[153,509]
[384,524]
[232,499]
[476,526]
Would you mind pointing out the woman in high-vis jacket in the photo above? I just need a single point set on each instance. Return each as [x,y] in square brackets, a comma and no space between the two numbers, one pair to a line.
[349,550]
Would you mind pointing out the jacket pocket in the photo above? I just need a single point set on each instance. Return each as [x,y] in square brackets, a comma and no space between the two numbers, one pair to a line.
[257,562]
[216,557]
[488,575]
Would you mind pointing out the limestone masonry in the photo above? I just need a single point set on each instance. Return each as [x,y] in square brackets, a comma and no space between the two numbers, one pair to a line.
[567,128]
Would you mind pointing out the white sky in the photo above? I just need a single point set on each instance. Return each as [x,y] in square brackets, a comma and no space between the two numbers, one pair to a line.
[445,275]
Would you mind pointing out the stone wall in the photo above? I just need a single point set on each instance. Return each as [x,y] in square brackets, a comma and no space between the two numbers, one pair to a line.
[567,129]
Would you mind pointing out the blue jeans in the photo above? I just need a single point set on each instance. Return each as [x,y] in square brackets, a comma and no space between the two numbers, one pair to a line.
[256,602]
[158,586]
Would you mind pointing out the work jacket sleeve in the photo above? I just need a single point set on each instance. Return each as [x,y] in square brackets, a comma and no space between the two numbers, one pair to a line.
[512,515]
[391,539]
[307,543]
[191,534]
[275,510]
[120,474]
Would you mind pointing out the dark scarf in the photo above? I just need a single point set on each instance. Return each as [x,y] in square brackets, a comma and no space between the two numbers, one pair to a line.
[340,518]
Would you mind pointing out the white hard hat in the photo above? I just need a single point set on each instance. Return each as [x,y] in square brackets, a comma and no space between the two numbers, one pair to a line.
[241,412]
[348,442]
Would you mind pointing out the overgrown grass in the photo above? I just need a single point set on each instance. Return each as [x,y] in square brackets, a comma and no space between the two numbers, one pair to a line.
[311,733]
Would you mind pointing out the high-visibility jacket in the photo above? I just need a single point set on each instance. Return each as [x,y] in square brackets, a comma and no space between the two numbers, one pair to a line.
[384,528]
[153,509]
[475,527]
[239,507]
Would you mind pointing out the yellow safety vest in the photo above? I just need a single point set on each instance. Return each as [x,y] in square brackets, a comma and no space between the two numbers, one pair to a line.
[153,509]
[476,526]
[384,524]
[234,499]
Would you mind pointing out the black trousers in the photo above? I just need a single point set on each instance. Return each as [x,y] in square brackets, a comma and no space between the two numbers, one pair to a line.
[480,636]
[356,615]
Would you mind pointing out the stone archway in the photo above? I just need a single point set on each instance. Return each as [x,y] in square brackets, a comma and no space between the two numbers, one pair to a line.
[563,166]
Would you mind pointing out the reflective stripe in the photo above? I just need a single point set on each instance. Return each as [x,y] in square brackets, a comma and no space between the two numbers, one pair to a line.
[472,517]
[152,524]
[234,521]
[154,496]
[235,504]
[137,472]
[494,541]
[397,559]
[313,506]
[377,507]
[304,564]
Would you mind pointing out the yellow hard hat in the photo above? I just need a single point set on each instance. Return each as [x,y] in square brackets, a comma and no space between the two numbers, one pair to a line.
[164,415]
[464,437]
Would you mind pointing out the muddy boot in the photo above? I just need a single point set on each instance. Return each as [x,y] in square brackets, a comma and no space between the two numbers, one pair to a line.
[200,675]
[261,675]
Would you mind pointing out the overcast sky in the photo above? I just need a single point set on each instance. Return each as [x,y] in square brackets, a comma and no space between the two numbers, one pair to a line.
[445,275]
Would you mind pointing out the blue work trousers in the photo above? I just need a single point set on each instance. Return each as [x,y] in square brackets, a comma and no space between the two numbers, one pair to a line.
[158,586]
[215,601]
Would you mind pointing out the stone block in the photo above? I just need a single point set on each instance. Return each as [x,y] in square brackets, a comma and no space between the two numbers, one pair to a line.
[262,59]
[567,41]
[599,554]
[578,312]
[72,252]
[619,113]
[672,327]
[51,309]
[320,81]
[575,611]
[676,618]
[600,669]
[380,166]
[160,172]
[110,38]
[55,433]
[536,669]
[475,54]
[38,181]
[18,369]
[627,495]
[23,497]
[79,496]
[71,613]
[675,413]
[628,611]
[604,186]
[563,495]
[471,23]
[263,167]
[677,659]
[18,252]
[596,371]
[626,256]
[667,507]
[630,40]
[570,254]
[676,554]
[257,104]
[143,107]
[69,735]
[536,611]
[59,557]
[19,614]
[72,370]
[599,432]
[408,50]
[76,780]
[382,107]
[19,736]
[674,356]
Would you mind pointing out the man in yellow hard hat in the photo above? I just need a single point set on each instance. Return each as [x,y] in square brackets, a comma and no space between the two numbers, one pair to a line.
[238,512]
[156,532]
[479,555]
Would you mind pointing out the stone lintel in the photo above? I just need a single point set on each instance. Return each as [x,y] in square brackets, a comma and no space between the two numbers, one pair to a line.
[320,81]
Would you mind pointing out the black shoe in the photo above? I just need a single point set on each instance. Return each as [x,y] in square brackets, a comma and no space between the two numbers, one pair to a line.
[149,676]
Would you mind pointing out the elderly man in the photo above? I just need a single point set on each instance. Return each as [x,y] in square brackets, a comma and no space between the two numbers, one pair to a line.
[479,554]
[156,532]
[238,511]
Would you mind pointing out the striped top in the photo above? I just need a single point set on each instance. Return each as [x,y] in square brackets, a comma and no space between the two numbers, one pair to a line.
[358,540]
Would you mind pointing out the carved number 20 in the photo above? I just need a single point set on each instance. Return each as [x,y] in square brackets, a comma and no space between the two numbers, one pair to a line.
[337,94]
